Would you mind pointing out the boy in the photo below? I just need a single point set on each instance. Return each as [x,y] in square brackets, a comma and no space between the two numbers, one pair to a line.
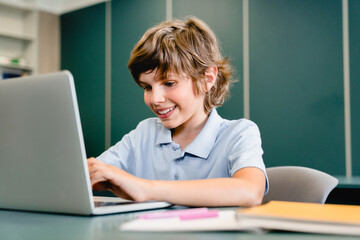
[188,155]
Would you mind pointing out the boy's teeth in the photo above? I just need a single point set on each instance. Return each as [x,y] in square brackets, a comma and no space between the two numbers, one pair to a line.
[166,111]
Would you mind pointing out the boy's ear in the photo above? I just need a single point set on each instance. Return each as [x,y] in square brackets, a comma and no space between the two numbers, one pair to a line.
[210,77]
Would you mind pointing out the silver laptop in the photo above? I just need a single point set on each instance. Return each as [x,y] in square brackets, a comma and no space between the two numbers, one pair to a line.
[43,163]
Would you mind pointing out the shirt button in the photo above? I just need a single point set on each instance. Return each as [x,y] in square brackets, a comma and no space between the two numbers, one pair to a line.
[176,161]
[174,148]
[176,177]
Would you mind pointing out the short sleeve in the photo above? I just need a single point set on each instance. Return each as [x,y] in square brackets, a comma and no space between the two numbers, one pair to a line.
[246,150]
[119,154]
[129,154]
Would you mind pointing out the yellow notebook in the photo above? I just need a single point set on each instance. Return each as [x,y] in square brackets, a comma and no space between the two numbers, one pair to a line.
[303,217]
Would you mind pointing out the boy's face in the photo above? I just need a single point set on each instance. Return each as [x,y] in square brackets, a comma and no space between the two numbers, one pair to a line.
[173,100]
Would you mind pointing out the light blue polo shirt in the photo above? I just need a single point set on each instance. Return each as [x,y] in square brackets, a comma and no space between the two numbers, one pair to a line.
[221,148]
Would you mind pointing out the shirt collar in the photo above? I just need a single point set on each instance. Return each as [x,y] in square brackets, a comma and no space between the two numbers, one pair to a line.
[164,134]
[204,141]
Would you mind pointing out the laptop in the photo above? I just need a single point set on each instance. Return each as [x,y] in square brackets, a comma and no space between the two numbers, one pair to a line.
[43,163]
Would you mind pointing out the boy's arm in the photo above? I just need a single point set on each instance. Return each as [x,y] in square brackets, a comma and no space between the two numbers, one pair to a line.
[245,188]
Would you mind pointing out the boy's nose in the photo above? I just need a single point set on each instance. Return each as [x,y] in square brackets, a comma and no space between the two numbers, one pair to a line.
[157,97]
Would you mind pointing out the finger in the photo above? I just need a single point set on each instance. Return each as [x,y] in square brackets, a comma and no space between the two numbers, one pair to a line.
[97,177]
[101,186]
[92,161]
[98,166]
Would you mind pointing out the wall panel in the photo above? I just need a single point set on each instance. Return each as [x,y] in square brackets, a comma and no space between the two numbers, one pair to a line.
[83,53]
[296,82]
[354,32]
[130,20]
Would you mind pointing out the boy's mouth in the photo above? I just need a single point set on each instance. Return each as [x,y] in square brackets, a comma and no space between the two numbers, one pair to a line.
[165,112]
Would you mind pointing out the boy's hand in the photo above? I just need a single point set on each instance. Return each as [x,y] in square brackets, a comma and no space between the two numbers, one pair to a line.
[107,177]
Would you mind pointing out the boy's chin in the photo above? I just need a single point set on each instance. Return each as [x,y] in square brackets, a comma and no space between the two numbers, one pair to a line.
[168,124]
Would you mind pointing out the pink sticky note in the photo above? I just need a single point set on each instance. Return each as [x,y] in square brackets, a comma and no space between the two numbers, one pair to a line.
[208,214]
[174,213]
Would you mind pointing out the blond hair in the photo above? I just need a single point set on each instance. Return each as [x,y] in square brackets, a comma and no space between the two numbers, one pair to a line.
[188,47]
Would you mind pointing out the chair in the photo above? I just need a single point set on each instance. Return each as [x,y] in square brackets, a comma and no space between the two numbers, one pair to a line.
[298,184]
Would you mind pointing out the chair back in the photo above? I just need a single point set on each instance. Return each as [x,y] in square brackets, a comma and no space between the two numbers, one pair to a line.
[298,184]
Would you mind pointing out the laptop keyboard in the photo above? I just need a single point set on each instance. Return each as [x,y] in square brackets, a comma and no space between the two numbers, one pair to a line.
[110,201]
[106,203]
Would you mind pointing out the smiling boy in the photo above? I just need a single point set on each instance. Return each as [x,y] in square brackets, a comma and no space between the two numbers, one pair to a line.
[187,155]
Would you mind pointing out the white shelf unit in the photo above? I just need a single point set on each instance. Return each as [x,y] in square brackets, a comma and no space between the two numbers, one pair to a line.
[19,30]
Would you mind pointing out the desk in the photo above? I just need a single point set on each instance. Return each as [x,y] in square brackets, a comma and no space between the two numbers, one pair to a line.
[27,226]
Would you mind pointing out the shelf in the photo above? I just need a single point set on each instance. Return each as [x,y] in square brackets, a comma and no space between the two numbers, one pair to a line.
[16,36]
[16,67]
[19,35]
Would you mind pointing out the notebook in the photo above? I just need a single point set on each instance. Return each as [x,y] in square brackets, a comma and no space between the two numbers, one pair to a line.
[334,219]
[43,163]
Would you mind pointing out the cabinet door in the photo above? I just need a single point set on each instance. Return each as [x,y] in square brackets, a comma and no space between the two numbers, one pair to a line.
[225,19]
[83,53]
[130,20]
[296,79]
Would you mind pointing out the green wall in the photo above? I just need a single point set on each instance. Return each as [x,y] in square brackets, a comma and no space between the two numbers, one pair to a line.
[296,72]
[130,20]
[296,82]
[354,29]
[83,53]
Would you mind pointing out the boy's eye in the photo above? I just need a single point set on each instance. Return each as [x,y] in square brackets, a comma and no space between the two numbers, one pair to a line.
[146,88]
[169,84]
